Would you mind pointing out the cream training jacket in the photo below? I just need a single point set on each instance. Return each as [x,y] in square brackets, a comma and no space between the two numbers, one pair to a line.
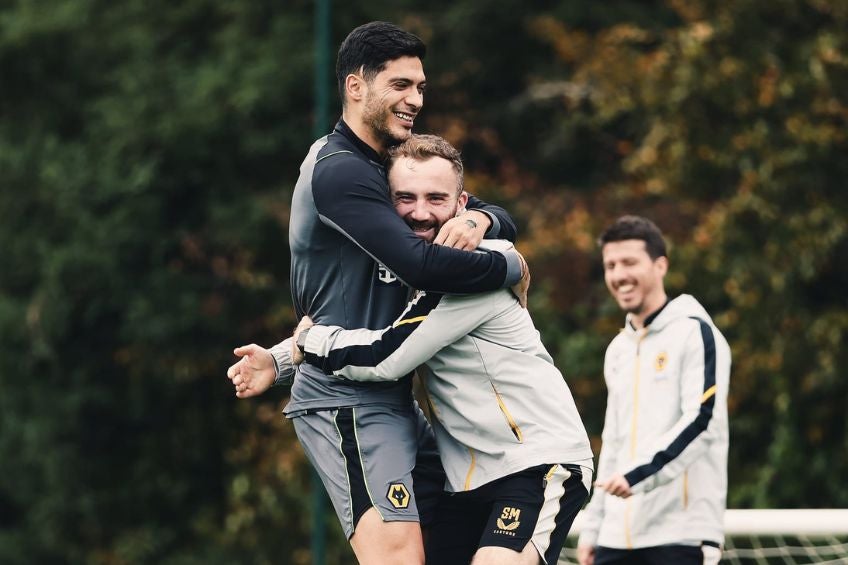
[499,403]
[666,431]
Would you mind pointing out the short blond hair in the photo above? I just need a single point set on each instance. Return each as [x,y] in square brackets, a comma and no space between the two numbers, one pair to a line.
[421,147]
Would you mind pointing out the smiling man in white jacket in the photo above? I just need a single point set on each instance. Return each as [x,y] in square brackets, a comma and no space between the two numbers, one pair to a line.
[662,472]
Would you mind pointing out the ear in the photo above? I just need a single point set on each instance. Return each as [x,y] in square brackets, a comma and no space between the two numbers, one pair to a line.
[462,201]
[355,87]
[661,264]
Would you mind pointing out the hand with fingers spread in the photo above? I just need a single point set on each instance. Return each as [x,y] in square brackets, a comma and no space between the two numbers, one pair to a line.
[254,373]
[465,231]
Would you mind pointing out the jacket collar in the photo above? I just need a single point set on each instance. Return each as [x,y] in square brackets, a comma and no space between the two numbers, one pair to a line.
[683,306]
[343,129]
[654,315]
[649,319]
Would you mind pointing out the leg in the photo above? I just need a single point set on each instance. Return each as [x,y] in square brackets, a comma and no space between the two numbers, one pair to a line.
[428,476]
[503,556]
[513,503]
[386,543]
[547,499]
[566,490]
[454,535]
[365,456]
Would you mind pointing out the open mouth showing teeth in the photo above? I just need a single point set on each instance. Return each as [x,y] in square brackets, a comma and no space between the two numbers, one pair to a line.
[404,117]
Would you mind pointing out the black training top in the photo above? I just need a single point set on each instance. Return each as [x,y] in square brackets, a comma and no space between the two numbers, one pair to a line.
[353,259]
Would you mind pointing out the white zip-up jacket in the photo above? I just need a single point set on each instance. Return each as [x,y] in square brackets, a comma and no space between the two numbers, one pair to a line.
[498,402]
[666,431]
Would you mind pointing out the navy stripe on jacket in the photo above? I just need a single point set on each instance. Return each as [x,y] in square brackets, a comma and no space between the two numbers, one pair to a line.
[374,353]
[698,425]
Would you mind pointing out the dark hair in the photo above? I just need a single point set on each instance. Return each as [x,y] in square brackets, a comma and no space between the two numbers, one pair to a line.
[421,147]
[370,47]
[636,227]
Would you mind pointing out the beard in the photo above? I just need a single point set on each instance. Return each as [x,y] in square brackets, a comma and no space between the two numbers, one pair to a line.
[420,227]
[376,117]
[424,226]
[632,307]
[635,309]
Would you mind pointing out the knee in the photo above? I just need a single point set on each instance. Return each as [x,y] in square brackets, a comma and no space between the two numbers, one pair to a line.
[387,543]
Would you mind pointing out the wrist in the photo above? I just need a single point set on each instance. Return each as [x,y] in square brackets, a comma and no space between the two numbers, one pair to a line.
[479,218]
[301,340]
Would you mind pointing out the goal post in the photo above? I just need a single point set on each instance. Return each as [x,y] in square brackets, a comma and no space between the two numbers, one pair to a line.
[808,521]
[770,536]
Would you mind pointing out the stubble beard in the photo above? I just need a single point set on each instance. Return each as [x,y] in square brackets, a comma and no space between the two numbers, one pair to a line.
[376,117]
[634,309]
[437,226]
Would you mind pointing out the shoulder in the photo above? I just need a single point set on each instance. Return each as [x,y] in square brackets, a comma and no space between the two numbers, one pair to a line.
[697,335]
[339,155]
[692,327]
[618,341]
[347,166]
[480,299]
[339,171]
[338,151]
[485,305]
[620,348]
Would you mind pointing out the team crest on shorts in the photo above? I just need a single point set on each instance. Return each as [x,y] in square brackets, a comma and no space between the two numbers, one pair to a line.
[509,521]
[398,495]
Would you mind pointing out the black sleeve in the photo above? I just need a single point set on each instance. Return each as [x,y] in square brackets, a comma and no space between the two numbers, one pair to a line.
[352,197]
[502,225]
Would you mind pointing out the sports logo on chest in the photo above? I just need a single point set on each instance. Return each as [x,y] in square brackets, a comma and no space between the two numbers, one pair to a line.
[661,366]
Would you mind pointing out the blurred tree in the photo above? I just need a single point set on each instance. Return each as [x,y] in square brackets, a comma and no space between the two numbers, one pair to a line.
[725,123]
[147,154]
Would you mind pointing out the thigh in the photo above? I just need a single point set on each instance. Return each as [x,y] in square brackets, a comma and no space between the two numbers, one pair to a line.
[428,475]
[376,542]
[388,439]
[365,456]
[453,537]
[323,447]
[515,502]
[566,488]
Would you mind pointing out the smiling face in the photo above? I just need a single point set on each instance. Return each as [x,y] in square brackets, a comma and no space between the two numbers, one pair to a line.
[633,278]
[425,193]
[389,103]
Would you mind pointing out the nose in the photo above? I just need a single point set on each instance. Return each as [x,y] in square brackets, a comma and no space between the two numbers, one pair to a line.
[415,98]
[616,274]
[419,211]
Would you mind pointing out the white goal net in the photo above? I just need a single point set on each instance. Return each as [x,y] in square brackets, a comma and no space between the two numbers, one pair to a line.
[770,537]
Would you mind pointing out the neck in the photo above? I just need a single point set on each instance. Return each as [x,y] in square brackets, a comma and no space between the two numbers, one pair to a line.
[354,122]
[650,307]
